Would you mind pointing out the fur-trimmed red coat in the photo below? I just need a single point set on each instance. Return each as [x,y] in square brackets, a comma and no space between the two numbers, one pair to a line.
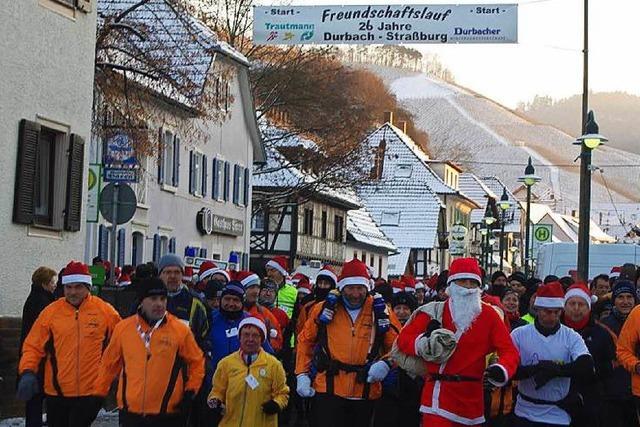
[462,402]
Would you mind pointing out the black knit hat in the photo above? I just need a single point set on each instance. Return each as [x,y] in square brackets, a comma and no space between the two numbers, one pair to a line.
[497,274]
[151,286]
[623,287]
[405,298]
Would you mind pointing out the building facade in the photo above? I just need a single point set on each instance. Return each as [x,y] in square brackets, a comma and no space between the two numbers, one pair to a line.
[45,121]
[194,194]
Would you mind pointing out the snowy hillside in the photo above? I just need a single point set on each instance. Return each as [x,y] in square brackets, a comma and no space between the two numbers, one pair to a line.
[489,139]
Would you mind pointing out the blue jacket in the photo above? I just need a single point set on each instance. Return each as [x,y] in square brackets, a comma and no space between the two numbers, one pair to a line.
[224,340]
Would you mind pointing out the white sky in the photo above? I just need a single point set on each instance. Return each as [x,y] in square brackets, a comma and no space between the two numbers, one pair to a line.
[548,58]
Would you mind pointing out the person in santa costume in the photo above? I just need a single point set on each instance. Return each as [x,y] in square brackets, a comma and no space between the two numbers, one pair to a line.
[453,391]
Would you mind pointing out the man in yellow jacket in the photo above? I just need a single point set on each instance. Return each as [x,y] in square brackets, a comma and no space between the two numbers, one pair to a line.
[160,364]
[68,338]
[249,386]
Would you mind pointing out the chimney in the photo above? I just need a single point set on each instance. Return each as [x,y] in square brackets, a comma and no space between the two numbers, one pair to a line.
[388,117]
[403,126]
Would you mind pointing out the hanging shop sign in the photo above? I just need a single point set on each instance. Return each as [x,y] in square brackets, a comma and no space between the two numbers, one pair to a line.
[386,24]
[209,223]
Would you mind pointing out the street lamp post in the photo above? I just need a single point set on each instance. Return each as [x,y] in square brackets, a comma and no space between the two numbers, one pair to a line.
[588,142]
[483,238]
[529,179]
[492,241]
[504,205]
[489,220]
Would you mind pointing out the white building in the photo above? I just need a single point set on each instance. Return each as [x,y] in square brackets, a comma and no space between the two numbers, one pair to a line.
[45,118]
[195,199]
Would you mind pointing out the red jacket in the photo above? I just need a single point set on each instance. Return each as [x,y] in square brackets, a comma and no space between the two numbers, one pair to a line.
[462,402]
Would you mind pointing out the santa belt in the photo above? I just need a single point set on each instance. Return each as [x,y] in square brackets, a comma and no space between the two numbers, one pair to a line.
[448,377]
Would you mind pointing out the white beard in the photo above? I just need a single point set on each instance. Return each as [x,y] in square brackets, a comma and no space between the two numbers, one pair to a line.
[465,305]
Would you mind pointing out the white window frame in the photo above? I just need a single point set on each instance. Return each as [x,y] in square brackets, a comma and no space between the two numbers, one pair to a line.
[403,170]
[390,218]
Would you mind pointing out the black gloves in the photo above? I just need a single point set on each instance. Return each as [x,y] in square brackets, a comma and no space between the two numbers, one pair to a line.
[432,326]
[271,407]
[187,402]
[28,386]
[495,374]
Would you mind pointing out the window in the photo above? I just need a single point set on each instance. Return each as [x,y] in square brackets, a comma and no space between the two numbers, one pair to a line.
[355,254]
[380,267]
[324,224]
[308,222]
[217,184]
[257,222]
[241,186]
[227,181]
[164,245]
[247,184]
[169,161]
[197,174]
[45,177]
[236,184]
[140,187]
[364,257]
[371,260]
[338,227]
[49,177]
[403,171]
[137,248]
[390,218]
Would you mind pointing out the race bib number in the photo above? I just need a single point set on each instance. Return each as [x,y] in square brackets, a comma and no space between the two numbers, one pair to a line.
[233,332]
[252,381]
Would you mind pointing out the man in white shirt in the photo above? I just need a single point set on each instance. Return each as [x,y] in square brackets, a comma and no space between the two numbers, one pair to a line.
[552,356]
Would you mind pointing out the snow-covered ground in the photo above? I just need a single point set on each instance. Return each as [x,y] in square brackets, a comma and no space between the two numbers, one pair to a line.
[105,419]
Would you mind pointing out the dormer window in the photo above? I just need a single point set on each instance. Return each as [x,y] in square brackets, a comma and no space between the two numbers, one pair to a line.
[403,171]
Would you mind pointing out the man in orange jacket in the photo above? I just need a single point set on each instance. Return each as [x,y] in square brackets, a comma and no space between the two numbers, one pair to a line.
[344,339]
[159,362]
[68,336]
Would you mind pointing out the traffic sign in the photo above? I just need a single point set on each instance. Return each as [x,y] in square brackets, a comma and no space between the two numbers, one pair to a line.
[542,233]
[125,202]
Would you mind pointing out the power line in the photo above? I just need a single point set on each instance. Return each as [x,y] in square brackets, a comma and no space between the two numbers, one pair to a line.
[549,165]
[604,180]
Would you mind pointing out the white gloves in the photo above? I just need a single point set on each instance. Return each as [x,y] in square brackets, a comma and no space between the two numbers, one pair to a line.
[303,387]
[378,372]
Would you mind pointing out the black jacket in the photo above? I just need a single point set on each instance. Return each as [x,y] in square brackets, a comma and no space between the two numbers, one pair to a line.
[616,385]
[37,300]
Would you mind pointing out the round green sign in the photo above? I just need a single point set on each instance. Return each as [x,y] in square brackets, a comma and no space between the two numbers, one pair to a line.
[542,234]
[93,179]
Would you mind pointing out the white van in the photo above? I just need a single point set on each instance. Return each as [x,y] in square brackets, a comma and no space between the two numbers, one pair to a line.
[561,258]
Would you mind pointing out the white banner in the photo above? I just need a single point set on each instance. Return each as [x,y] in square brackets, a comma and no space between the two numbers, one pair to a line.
[386,24]
[93,192]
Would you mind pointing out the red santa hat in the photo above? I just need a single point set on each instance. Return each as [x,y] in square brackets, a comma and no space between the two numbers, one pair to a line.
[615,272]
[247,278]
[254,321]
[76,272]
[206,269]
[280,263]
[304,286]
[432,282]
[397,286]
[124,280]
[187,276]
[354,272]
[550,295]
[409,283]
[464,268]
[580,290]
[327,273]
[420,285]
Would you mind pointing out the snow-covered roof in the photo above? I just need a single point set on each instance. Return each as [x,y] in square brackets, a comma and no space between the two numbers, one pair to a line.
[512,215]
[477,191]
[398,262]
[173,40]
[401,150]
[278,173]
[407,212]
[364,230]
